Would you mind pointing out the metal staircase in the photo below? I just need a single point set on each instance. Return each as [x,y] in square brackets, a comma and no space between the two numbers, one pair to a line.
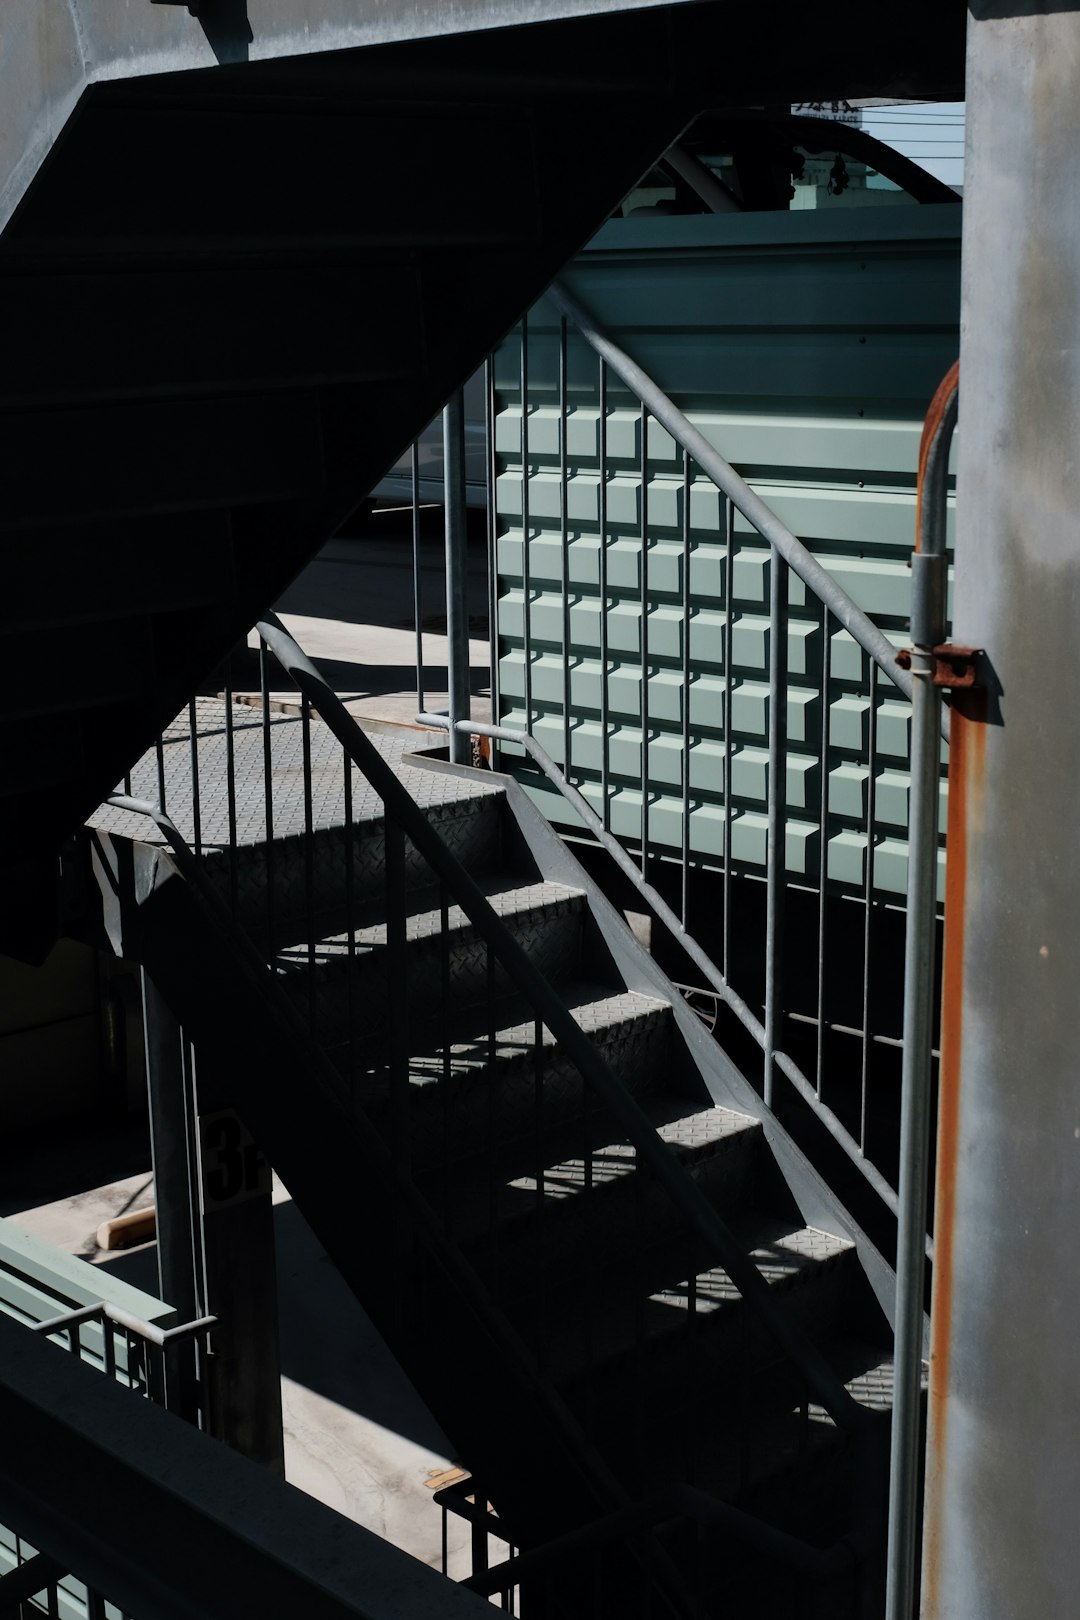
[606,1269]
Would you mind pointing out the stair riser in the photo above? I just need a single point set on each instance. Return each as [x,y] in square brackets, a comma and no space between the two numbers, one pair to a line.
[729,1345]
[551,937]
[505,1110]
[580,1245]
[277,883]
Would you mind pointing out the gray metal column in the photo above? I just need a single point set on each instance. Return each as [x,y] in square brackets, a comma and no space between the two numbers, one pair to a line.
[457,574]
[1003,1462]
[174,1156]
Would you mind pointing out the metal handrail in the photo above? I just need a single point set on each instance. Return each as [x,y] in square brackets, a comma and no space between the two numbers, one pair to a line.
[150,1331]
[684,1192]
[928,615]
[787,545]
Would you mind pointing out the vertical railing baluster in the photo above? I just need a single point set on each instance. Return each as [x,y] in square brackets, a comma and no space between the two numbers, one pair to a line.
[539,1170]
[196,807]
[456,548]
[587,1241]
[108,1344]
[350,921]
[693,1430]
[418,581]
[868,898]
[685,905]
[777,818]
[159,755]
[309,865]
[446,1037]
[230,788]
[526,574]
[479,1539]
[397,998]
[268,798]
[729,687]
[564,541]
[638,1226]
[491,1081]
[823,840]
[601,498]
[644,640]
[490,417]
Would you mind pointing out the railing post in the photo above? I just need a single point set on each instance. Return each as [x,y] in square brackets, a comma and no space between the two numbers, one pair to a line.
[928,612]
[776,849]
[457,574]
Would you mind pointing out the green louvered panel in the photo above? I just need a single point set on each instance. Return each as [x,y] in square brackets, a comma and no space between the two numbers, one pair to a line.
[809,362]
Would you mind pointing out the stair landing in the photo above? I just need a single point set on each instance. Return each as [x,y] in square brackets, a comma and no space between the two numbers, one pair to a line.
[207,750]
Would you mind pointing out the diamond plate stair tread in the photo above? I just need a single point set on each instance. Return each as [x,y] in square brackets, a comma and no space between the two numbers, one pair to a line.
[597,1009]
[430,788]
[351,987]
[463,1113]
[693,1136]
[698,1137]
[787,1258]
[736,1449]
[424,920]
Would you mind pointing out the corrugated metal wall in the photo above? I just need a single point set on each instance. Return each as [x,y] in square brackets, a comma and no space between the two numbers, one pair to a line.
[806,347]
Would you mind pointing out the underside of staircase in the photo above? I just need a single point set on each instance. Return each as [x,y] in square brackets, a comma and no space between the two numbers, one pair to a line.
[578,1341]
[233,293]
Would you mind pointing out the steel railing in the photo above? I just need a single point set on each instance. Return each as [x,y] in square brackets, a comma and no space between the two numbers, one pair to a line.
[905,1192]
[133,1353]
[765,1010]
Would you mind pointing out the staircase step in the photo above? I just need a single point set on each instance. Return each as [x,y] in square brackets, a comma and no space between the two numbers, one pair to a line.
[275,884]
[647,1331]
[280,875]
[578,1228]
[346,976]
[481,1119]
[757,1449]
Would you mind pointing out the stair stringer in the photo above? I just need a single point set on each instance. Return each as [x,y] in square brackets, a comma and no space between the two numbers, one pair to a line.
[495,1407]
[725,1083]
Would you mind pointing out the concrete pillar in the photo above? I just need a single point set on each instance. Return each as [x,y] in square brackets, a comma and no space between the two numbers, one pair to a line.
[1004,1463]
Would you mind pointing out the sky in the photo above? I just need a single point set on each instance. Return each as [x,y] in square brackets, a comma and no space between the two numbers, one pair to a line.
[932,135]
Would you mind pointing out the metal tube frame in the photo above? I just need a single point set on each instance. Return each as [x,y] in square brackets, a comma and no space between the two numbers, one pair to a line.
[928,618]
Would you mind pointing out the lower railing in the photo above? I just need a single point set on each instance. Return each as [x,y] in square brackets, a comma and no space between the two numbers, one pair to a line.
[134,1354]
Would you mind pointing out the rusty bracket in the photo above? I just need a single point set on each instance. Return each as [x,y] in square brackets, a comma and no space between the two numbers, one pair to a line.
[953,666]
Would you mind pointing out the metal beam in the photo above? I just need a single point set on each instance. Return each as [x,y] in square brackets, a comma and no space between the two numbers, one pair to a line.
[169,1524]
[1003,1464]
[26,1581]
